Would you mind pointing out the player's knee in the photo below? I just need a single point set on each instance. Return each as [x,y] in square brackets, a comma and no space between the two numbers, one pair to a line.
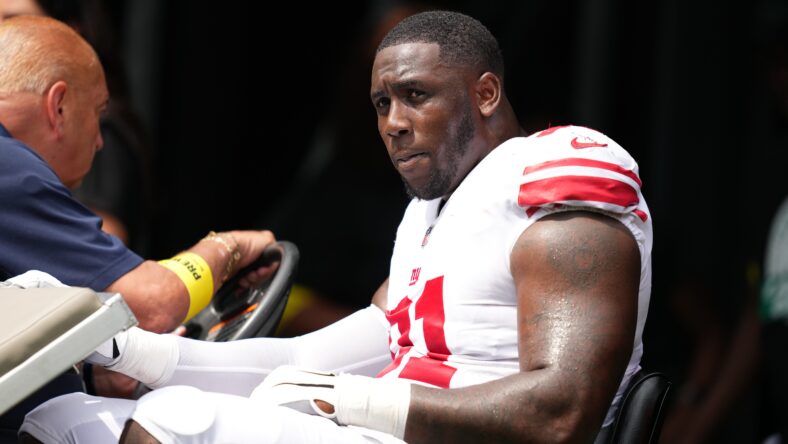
[53,418]
[175,411]
[91,418]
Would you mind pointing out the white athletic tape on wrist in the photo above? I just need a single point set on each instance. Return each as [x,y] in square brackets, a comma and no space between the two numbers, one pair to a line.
[378,404]
[298,388]
[147,357]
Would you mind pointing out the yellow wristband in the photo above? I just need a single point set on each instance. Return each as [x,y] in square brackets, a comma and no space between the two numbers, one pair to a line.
[196,275]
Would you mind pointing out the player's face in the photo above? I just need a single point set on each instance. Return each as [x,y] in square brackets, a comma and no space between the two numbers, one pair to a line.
[425,117]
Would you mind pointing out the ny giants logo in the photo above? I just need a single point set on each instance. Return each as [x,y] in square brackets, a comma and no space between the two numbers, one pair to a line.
[414,276]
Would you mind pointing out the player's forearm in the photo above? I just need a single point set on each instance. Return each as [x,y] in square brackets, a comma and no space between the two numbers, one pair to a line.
[159,360]
[238,367]
[528,407]
[228,367]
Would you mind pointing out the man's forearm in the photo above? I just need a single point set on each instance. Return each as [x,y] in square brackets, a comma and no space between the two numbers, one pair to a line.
[155,295]
[161,299]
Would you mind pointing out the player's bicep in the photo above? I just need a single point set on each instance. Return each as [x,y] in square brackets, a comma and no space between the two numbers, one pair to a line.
[577,277]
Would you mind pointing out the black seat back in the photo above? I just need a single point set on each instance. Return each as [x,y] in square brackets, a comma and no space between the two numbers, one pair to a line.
[639,420]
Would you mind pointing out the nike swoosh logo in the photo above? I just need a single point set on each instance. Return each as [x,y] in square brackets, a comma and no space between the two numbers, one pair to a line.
[578,144]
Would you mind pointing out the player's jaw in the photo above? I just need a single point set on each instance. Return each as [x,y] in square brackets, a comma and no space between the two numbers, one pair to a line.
[433,173]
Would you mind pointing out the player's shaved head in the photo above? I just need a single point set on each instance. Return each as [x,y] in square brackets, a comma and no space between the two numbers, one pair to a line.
[462,39]
[36,52]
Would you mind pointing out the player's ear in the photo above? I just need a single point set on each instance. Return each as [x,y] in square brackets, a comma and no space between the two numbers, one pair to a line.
[53,105]
[489,91]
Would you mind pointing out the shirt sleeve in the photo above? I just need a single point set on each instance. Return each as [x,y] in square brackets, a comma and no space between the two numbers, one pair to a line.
[579,168]
[44,228]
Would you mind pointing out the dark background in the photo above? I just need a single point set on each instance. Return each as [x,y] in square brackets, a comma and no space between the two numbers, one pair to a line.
[259,117]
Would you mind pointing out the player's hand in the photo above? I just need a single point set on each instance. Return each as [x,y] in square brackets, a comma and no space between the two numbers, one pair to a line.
[375,403]
[109,351]
[145,356]
[308,391]
[108,383]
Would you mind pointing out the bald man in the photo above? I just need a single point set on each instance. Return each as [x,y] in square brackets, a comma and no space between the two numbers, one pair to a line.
[52,94]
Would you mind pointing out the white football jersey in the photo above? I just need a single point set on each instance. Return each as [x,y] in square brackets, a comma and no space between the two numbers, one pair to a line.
[452,303]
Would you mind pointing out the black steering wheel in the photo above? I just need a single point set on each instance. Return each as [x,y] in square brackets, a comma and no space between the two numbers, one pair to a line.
[238,313]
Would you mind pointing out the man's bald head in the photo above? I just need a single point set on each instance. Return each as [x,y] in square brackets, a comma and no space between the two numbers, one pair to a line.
[52,93]
[36,52]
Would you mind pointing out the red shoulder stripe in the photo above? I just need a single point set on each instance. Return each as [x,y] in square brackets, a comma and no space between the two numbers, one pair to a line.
[550,130]
[577,188]
[579,161]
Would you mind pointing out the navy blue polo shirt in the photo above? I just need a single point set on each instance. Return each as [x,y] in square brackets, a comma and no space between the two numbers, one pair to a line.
[42,226]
